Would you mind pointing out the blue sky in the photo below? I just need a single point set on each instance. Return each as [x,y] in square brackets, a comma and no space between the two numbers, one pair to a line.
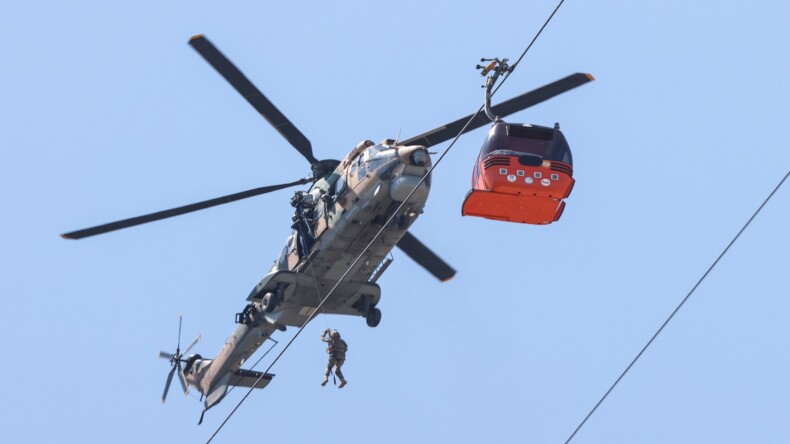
[107,113]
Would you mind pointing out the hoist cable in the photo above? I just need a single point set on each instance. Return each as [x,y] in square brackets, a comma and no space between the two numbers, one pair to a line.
[317,290]
[381,230]
[676,310]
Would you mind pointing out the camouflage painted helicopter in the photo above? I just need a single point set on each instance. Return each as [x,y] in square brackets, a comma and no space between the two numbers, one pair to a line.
[348,202]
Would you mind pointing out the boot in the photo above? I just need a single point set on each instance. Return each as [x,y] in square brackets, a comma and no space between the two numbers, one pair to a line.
[326,379]
[342,384]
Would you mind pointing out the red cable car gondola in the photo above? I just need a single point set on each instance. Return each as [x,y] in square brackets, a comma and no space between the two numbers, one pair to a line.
[523,172]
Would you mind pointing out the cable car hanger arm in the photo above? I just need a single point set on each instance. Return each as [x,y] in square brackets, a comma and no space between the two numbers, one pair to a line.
[498,67]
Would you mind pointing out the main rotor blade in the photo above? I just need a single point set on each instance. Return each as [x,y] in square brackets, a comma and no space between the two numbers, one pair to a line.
[191,345]
[425,257]
[518,103]
[253,95]
[167,384]
[139,220]
[165,355]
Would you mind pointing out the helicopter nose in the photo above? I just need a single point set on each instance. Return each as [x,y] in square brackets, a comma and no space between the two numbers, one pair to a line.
[414,155]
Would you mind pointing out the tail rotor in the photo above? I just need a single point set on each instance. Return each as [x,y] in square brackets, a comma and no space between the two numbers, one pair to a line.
[175,361]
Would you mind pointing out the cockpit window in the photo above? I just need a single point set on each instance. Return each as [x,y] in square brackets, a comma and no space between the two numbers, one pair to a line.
[340,186]
[379,155]
[361,165]
[359,149]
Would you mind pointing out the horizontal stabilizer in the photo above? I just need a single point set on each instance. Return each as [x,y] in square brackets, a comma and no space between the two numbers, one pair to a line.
[250,378]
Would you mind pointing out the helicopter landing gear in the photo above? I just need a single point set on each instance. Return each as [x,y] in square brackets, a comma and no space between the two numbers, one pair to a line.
[366,308]
[373,317]
[271,300]
[268,302]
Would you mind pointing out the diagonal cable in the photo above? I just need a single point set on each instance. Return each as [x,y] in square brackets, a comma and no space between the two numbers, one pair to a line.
[676,310]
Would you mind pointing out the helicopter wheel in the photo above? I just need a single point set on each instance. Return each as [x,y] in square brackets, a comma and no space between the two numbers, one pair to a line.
[268,302]
[374,317]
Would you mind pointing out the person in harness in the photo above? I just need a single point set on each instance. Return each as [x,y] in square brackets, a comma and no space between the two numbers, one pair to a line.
[336,348]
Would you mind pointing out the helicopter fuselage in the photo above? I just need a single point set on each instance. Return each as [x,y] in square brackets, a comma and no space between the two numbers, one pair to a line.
[345,226]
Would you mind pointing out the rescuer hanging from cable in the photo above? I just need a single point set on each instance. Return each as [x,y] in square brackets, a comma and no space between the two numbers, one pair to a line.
[336,348]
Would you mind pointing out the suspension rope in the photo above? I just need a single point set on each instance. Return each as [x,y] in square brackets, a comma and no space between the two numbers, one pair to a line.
[317,290]
[676,310]
[381,230]
[315,281]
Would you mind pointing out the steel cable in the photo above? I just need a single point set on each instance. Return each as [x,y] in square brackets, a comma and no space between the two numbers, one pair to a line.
[676,310]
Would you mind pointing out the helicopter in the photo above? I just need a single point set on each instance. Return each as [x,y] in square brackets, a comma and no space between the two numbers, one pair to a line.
[355,211]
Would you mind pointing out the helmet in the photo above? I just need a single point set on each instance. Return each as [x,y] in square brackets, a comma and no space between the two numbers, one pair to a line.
[335,334]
